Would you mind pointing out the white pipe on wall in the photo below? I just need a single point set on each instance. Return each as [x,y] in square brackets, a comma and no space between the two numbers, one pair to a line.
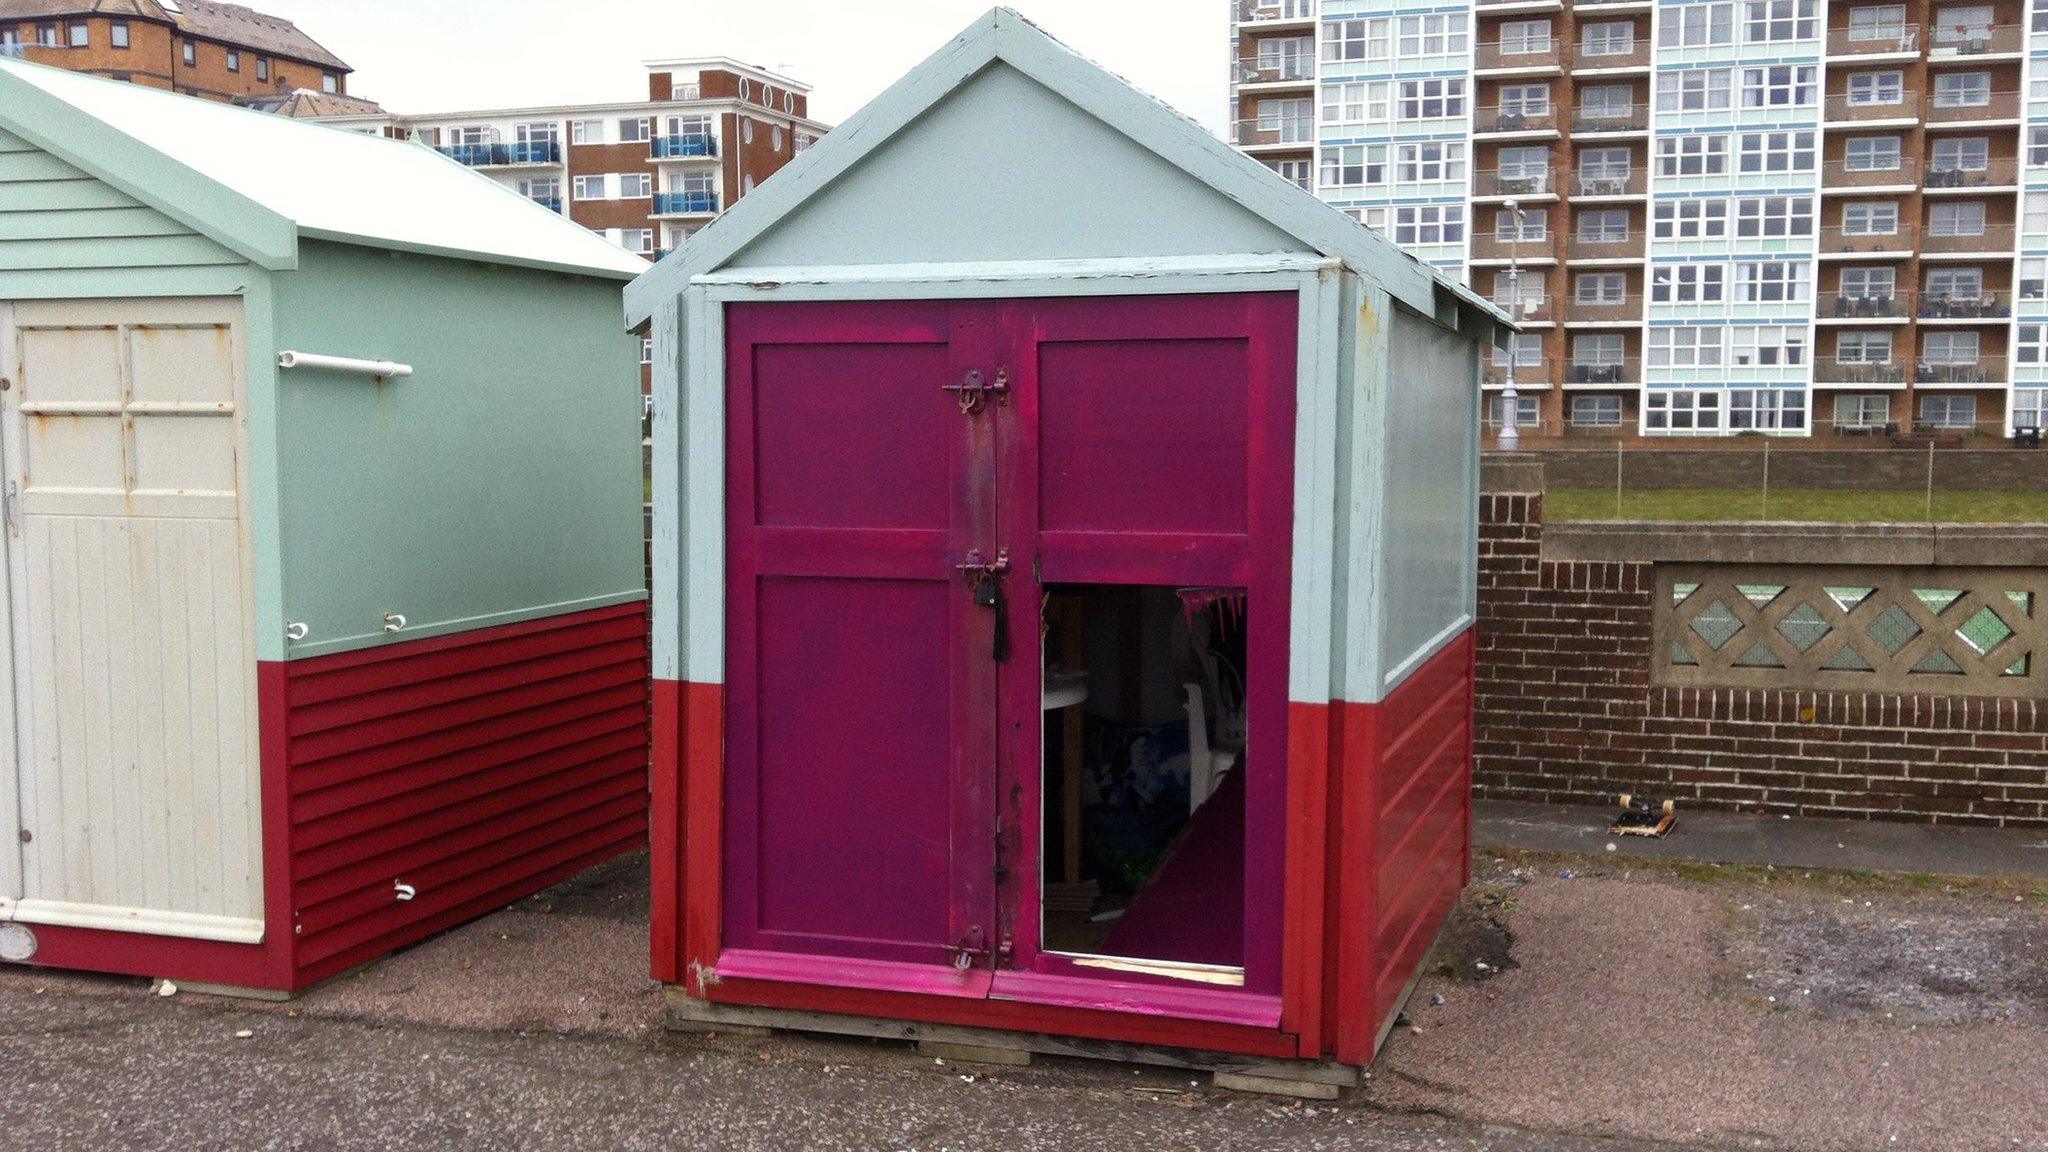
[342,364]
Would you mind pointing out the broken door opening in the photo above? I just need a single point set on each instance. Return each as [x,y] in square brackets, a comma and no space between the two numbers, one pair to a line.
[1142,858]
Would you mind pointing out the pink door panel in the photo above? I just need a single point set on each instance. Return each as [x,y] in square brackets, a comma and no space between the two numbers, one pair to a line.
[860,729]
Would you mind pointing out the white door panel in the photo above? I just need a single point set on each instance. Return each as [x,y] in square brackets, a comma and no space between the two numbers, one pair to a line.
[134,658]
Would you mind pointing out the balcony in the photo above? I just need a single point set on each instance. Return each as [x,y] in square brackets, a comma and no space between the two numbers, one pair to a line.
[694,145]
[1944,306]
[1971,43]
[1997,172]
[1295,68]
[1606,246]
[1590,58]
[1634,118]
[1998,106]
[1897,41]
[1961,372]
[1839,174]
[1275,132]
[551,203]
[504,155]
[1522,55]
[1530,309]
[1535,376]
[1845,109]
[1603,373]
[1502,246]
[1864,306]
[1833,240]
[1991,239]
[1627,310]
[1486,120]
[1514,182]
[685,203]
[1275,11]
[1610,182]
[1834,370]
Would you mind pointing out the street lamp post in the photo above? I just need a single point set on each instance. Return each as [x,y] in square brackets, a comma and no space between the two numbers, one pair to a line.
[1510,437]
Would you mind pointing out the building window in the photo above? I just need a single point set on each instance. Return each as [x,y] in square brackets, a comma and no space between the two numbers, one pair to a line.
[191,53]
[1433,99]
[1524,350]
[1607,102]
[634,130]
[2032,348]
[1434,35]
[1614,38]
[1524,37]
[1295,172]
[1956,218]
[1693,90]
[1876,89]
[1961,154]
[1956,283]
[1962,89]
[586,132]
[2029,405]
[1773,20]
[635,185]
[804,140]
[234,60]
[1605,226]
[1596,412]
[640,240]
[1776,152]
[80,35]
[1430,224]
[1870,283]
[544,192]
[1288,120]
[1774,216]
[263,68]
[1950,348]
[588,187]
[1534,224]
[1685,347]
[1681,410]
[329,82]
[1863,348]
[1766,346]
[1871,154]
[776,138]
[2034,213]
[1767,409]
[1692,155]
[1527,165]
[1862,410]
[1528,411]
[1881,22]
[746,130]
[2034,278]
[1429,163]
[1354,165]
[1344,103]
[1960,24]
[1696,25]
[695,184]
[1525,100]
[1773,282]
[1689,283]
[1779,86]
[1599,288]
[1599,350]
[1939,411]
[1690,219]
[1353,40]
[647,350]
[1870,218]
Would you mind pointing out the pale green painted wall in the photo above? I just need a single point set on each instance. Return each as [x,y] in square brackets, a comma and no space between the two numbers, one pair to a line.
[55,217]
[1006,169]
[500,482]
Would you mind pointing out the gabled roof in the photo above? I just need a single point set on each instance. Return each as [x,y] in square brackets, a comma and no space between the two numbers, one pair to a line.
[306,104]
[256,183]
[1005,36]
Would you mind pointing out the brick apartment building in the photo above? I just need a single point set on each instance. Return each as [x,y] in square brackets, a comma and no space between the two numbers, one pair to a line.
[1795,217]
[200,48]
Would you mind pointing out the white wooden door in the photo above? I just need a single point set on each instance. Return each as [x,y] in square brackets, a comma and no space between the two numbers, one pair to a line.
[132,652]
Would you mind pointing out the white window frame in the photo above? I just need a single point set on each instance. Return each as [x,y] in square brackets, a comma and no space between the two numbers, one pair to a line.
[1776,21]
[1429,224]
[1686,346]
[1780,85]
[1876,89]
[1692,155]
[1681,410]
[1690,219]
[1695,90]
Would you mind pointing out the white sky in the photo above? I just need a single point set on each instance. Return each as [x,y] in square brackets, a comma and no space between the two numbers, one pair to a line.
[443,55]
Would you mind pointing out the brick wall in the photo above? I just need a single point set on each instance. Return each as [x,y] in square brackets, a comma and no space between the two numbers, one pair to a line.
[1567,712]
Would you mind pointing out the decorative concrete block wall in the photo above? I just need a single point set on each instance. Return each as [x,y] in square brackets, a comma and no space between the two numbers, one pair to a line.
[1582,695]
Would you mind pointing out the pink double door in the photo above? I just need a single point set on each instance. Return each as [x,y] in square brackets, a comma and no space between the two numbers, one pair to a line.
[904,479]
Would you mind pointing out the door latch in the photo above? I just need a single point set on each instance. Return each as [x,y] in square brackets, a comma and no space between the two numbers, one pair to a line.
[972,947]
[973,390]
[985,584]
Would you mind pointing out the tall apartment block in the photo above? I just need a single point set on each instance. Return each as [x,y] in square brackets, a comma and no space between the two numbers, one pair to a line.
[197,47]
[645,173]
[1789,217]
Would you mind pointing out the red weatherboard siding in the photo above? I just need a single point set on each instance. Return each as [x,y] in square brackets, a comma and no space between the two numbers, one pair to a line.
[477,768]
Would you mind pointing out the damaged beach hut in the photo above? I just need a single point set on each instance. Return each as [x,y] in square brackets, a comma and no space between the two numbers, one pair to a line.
[1064,581]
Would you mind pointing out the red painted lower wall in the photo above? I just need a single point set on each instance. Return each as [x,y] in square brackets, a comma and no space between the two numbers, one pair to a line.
[476,768]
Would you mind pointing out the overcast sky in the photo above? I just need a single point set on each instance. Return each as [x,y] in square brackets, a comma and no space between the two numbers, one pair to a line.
[446,55]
